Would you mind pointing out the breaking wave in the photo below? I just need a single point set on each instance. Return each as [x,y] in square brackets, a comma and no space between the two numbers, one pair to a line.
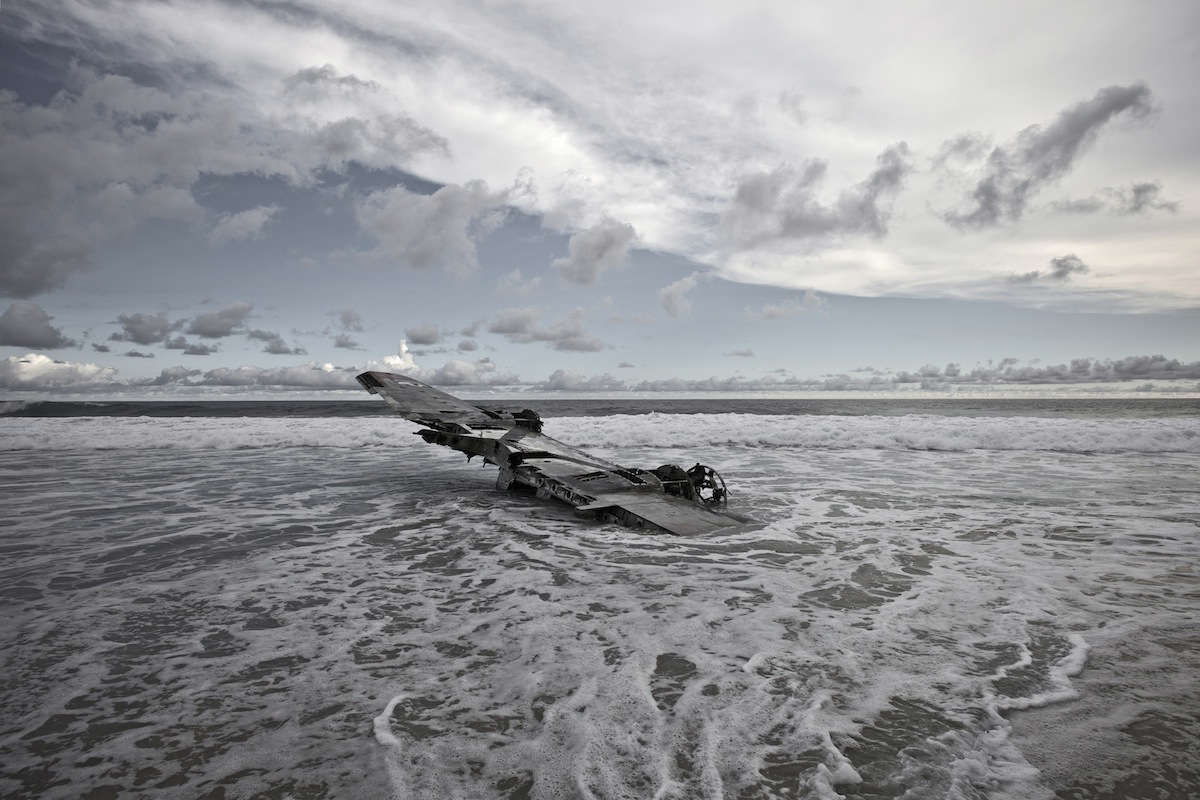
[912,432]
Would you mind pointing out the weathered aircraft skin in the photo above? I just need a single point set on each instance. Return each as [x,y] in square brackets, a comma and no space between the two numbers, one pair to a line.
[669,498]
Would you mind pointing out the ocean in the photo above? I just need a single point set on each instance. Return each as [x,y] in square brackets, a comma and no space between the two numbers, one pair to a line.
[980,598]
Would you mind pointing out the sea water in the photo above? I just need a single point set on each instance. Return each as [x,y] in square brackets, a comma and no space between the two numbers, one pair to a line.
[937,602]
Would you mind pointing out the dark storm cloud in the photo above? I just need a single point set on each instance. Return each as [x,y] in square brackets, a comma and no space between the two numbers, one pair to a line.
[137,354]
[1015,172]
[25,324]
[1137,198]
[274,343]
[423,334]
[219,324]
[783,203]
[113,151]
[30,267]
[346,342]
[603,247]
[520,326]
[1061,269]
[101,348]
[142,328]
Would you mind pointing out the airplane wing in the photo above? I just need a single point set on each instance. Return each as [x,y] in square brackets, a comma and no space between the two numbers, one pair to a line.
[667,498]
[420,402]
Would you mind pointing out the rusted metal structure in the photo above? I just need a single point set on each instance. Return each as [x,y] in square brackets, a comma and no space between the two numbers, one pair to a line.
[669,498]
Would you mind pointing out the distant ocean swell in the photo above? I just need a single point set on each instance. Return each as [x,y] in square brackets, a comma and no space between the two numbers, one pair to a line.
[911,432]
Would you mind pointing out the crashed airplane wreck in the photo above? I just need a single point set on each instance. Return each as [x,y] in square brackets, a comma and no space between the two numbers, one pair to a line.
[670,498]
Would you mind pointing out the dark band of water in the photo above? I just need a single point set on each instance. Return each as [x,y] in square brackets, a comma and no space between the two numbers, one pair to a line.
[572,407]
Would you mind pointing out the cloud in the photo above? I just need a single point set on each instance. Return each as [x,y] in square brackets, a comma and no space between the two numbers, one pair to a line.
[747,353]
[137,354]
[469,373]
[423,334]
[426,231]
[326,77]
[1081,205]
[513,321]
[401,361]
[308,376]
[809,302]
[1015,172]
[1061,269]
[625,365]
[142,328]
[25,324]
[346,342]
[604,246]
[171,375]
[349,320]
[101,348]
[472,330]
[516,283]
[792,104]
[1141,197]
[783,203]
[967,147]
[37,371]
[219,324]
[190,348]
[110,152]
[563,381]
[468,346]
[1137,198]
[520,326]
[1078,370]
[274,343]
[246,224]
[675,298]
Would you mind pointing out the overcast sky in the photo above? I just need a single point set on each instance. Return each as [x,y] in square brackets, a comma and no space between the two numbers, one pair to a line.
[591,196]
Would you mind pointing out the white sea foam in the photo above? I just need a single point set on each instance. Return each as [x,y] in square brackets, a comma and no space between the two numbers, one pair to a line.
[870,630]
[1060,675]
[911,432]
[382,726]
